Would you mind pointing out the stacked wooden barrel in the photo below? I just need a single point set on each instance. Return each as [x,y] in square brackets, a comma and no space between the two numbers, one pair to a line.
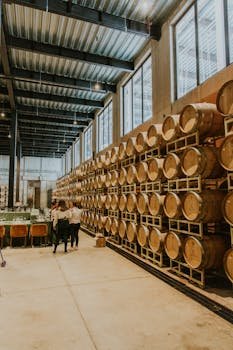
[162,193]
[225,107]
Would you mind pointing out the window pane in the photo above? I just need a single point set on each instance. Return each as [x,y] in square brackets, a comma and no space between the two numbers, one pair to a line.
[209,31]
[147,89]
[110,124]
[101,131]
[230,28]
[137,98]
[186,65]
[127,92]
[88,143]
[77,153]
[105,127]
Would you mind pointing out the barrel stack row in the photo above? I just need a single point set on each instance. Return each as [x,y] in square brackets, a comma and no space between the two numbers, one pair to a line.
[225,107]
[164,192]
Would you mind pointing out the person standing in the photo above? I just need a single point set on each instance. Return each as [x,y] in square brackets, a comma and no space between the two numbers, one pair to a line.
[61,225]
[75,223]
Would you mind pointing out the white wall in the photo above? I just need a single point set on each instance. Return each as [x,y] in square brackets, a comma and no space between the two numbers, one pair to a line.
[47,170]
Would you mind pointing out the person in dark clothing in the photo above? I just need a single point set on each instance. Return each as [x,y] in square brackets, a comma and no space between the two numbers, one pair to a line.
[61,225]
[74,220]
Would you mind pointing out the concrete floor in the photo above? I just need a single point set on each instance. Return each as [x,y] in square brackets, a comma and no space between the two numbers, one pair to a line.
[95,299]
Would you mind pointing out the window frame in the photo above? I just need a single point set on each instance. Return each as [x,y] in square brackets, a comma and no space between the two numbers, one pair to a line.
[102,115]
[226,53]
[89,128]
[130,80]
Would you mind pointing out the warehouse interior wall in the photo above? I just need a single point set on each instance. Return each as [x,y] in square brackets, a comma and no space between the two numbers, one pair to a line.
[35,172]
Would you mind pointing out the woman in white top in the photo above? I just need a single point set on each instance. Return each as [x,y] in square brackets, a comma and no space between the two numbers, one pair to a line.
[61,225]
[75,223]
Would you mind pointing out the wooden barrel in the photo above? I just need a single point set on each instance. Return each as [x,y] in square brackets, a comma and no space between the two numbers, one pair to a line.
[155,169]
[114,178]
[225,98]
[114,226]
[83,217]
[226,153]
[78,186]
[156,240]
[130,146]
[155,205]
[96,220]
[131,232]
[107,158]
[142,203]
[172,205]
[171,127]
[228,264]
[201,161]
[108,201]
[122,150]
[122,228]
[204,206]
[172,166]
[114,201]
[101,201]
[95,203]
[207,253]
[202,117]
[141,142]
[101,181]
[131,174]
[143,235]
[102,222]
[122,202]
[142,172]
[154,136]
[131,202]
[92,218]
[122,177]
[101,161]
[88,218]
[108,224]
[228,208]
[108,179]
[114,154]
[173,244]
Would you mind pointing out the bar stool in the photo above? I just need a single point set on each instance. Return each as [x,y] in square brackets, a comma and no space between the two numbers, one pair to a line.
[2,234]
[39,230]
[17,231]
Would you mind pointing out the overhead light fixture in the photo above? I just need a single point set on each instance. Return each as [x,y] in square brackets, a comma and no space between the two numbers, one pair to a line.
[9,135]
[75,119]
[97,86]
[58,147]
[64,140]
[3,114]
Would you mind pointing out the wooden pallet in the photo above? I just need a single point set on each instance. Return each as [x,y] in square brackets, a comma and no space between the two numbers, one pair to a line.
[114,213]
[194,184]
[130,246]
[101,171]
[150,220]
[151,153]
[115,239]
[197,229]
[149,187]
[115,166]
[228,122]
[231,232]
[159,259]
[181,143]
[132,217]
[114,190]
[195,276]
[128,161]
[129,188]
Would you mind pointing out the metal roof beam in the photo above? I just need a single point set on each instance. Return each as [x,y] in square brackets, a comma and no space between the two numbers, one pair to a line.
[40,122]
[52,121]
[62,52]
[41,154]
[57,80]
[83,13]
[52,97]
[53,113]
[40,136]
[54,129]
